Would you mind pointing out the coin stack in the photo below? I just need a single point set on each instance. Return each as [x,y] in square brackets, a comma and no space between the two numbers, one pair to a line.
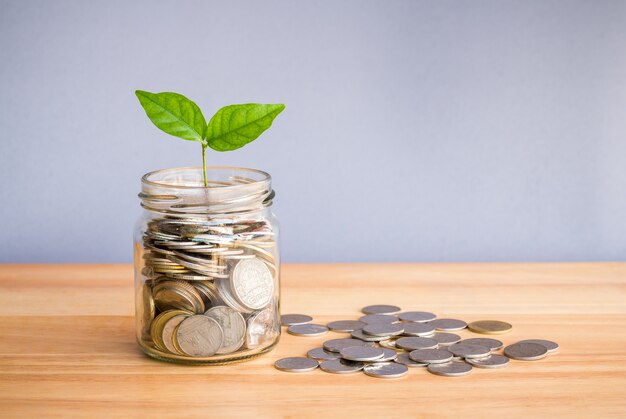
[210,287]
[386,342]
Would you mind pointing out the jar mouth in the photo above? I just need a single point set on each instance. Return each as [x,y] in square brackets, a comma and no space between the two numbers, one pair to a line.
[192,178]
[229,190]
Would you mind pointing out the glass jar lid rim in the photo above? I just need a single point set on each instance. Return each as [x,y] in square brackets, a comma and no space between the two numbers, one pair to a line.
[146,179]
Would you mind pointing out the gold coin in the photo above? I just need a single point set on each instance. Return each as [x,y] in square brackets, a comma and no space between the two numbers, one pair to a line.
[167,335]
[177,294]
[156,329]
[489,327]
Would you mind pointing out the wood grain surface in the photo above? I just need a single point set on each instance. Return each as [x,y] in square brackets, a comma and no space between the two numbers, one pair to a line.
[67,345]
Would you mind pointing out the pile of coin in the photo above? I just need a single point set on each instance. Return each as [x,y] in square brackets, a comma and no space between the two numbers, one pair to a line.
[209,287]
[386,342]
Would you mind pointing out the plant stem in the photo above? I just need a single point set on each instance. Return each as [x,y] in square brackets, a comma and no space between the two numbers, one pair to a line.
[204,163]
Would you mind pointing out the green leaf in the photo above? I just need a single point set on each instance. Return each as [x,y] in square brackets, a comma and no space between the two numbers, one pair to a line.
[234,126]
[174,114]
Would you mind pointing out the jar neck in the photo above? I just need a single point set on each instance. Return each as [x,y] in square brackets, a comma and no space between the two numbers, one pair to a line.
[230,192]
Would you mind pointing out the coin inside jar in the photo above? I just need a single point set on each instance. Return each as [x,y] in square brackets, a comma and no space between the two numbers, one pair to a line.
[233,325]
[199,335]
[167,335]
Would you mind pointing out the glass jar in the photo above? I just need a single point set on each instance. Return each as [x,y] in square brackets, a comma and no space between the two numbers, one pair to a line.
[207,266]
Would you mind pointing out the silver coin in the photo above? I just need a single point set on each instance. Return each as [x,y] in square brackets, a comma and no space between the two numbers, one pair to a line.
[362,353]
[493,344]
[526,351]
[234,326]
[263,327]
[358,334]
[199,336]
[417,316]
[446,339]
[341,366]
[296,364]
[167,335]
[418,329]
[412,343]
[322,355]
[448,325]
[492,361]
[392,329]
[345,325]
[291,319]
[336,345]
[378,319]
[386,370]
[389,344]
[388,355]
[403,358]
[550,346]
[380,309]
[308,329]
[466,350]
[450,369]
[252,283]
[431,356]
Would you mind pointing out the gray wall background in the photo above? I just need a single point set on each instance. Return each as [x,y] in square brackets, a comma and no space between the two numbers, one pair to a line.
[414,131]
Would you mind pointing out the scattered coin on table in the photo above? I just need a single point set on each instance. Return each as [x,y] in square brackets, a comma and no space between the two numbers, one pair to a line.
[431,356]
[291,319]
[417,316]
[336,345]
[448,325]
[380,345]
[412,343]
[296,364]
[450,369]
[321,354]
[489,327]
[362,353]
[550,346]
[526,351]
[386,370]
[403,358]
[341,366]
[388,329]
[492,361]
[378,319]
[345,325]
[418,329]
[307,329]
[492,344]
[381,309]
[466,350]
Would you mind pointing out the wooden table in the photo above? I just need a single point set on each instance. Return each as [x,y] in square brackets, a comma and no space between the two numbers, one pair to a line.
[68,347]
